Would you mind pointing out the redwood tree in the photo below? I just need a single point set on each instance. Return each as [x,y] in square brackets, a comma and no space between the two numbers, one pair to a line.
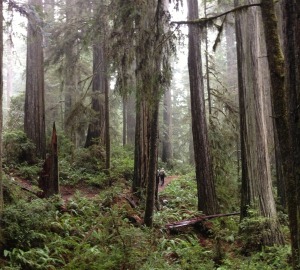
[34,119]
[256,171]
[286,105]
[207,201]
[1,103]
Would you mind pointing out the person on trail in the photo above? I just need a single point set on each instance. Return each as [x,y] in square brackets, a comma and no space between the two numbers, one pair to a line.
[157,177]
[162,176]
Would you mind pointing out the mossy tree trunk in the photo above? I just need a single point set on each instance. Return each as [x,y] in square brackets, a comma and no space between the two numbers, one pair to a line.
[256,182]
[207,200]
[150,76]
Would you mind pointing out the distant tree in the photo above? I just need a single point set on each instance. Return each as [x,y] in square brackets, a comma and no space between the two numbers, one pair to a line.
[124,59]
[128,119]
[207,200]
[167,149]
[34,109]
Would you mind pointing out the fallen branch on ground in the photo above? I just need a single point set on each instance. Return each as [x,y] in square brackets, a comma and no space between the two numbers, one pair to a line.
[193,221]
[36,193]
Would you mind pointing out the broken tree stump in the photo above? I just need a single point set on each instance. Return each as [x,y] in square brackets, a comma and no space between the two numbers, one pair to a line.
[48,181]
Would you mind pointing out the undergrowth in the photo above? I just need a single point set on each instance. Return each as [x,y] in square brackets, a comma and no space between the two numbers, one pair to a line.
[100,233]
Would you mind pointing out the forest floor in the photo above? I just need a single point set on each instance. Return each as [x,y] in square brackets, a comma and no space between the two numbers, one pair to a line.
[67,191]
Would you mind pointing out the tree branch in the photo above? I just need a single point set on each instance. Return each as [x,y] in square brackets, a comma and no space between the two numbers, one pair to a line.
[203,21]
[22,9]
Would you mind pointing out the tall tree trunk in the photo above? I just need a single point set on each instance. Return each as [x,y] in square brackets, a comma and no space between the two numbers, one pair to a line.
[128,120]
[107,123]
[207,63]
[167,148]
[289,104]
[149,50]
[167,151]
[9,77]
[34,119]
[1,105]
[70,73]
[96,129]
[207,200]
[256,182]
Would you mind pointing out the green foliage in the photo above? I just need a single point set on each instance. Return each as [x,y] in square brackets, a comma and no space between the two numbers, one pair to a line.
[29,172]
[15,117]
[254,231]
[65,147]
[100,180]
[177,167]
[24,224]
[270,258]
[16,147]
[182,194]
[87,165]
[186,253]
[122,163]
[97,234]
[223,139]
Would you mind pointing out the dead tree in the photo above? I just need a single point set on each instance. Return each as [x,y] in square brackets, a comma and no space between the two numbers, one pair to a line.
[48,181]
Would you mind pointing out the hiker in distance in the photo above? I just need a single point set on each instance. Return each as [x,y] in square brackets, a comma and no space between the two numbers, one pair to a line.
[162,176]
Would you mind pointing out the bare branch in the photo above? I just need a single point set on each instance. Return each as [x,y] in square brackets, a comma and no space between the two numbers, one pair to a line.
[204,21]
[22,9]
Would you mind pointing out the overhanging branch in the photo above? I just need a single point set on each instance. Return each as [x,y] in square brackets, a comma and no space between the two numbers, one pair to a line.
[22,9]
[203,21]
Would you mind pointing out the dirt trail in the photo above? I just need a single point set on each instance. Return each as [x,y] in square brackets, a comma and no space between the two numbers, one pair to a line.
[168,180]
[67,191]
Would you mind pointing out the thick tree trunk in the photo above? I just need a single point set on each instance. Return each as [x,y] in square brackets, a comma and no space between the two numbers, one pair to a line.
[96,129]
[34,119]
[70,74]
[207,201]
[256,183]
[151,174]
[149,50]
[289,153]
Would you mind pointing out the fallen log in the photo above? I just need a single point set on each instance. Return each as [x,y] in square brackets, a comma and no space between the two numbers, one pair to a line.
[194,221]
[36,193]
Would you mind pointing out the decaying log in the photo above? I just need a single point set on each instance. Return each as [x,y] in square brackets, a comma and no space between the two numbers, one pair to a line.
[194,221]
[131,202]
[36,193]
